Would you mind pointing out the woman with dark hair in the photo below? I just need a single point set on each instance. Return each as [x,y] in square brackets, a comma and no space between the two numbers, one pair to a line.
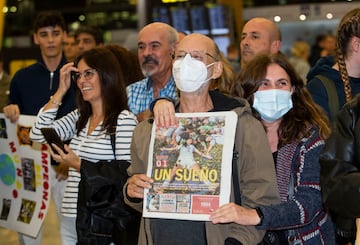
[296,129]
[101,103]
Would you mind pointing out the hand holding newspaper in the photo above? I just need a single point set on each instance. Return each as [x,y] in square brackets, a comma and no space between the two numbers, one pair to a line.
[191,166]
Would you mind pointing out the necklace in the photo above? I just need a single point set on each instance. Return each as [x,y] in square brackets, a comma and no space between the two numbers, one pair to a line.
[93,123]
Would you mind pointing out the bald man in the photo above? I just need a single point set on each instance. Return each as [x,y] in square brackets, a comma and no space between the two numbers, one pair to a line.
[259,35]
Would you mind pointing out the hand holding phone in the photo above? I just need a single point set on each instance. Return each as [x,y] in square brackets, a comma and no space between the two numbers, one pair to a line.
[52,137]
[73,76]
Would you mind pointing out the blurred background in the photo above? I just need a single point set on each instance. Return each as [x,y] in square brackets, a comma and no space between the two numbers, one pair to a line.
[121,19]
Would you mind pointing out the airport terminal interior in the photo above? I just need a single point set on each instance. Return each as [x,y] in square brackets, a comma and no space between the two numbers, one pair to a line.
[221,19]
[121,19]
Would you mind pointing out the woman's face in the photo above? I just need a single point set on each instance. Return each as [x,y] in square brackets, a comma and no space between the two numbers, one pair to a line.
[276,78]
[88,82]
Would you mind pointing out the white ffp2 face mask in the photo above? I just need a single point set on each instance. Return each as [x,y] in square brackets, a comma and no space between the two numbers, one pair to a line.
[190,74]
[272,104]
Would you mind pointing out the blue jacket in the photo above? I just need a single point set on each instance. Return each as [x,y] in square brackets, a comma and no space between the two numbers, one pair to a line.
[317,89]
[32,86]
[303,212]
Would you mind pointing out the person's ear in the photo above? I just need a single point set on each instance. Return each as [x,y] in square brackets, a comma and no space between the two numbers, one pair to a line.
[35,39]
[275,46]
[355,43]
[217,70]
[173,48]
[64,36]
[292,90]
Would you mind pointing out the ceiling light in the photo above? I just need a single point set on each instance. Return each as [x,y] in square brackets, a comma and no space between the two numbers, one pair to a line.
[302,17]
[277,18]
[329,16]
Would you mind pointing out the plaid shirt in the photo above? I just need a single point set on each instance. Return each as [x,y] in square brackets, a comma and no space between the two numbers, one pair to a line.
[140,94]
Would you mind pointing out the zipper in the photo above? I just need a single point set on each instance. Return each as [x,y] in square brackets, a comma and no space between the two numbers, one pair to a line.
[51,80]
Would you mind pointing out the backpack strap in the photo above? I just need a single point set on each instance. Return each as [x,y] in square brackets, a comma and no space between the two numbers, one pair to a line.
[333,98]
[113,136]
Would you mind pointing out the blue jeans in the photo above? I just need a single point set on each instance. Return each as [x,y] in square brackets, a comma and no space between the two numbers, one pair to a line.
[28,240]
[68,230]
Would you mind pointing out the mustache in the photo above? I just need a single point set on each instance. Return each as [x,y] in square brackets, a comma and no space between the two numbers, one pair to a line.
[150,59]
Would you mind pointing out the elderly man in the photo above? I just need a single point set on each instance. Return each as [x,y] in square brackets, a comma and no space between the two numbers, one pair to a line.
[196,64]
[156,45]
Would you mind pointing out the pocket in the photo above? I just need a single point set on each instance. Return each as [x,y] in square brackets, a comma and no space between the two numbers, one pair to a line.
[273,238]
[100,226]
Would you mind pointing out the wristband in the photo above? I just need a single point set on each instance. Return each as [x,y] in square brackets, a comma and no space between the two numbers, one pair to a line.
[55,102]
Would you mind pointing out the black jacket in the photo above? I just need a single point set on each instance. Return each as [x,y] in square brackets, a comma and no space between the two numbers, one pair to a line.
[340,168]
[32,86]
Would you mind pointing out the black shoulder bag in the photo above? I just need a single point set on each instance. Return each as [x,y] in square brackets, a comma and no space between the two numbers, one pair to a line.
[102,215]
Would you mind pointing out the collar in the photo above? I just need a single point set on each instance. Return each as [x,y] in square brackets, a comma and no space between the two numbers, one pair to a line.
[149,83]
[63,61]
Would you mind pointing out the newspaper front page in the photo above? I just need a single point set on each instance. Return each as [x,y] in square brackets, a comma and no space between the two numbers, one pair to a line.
[191,166]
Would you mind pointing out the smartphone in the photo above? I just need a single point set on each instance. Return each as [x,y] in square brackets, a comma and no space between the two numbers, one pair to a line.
[73,76]
[51,136]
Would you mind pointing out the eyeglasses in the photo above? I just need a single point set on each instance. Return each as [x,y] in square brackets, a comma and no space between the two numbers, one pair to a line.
[88,74]
[196,54]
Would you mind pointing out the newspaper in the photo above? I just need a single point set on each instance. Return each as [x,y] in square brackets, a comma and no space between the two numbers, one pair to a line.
[191,166]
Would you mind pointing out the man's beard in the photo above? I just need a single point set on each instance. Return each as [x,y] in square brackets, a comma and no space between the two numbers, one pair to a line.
[149,66]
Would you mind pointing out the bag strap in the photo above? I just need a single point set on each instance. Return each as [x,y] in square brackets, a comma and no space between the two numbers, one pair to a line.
[333,98]
[113,136]
[235,177]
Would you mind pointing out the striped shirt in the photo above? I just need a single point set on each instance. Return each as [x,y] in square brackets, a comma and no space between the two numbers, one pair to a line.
[140,94]
[93,147]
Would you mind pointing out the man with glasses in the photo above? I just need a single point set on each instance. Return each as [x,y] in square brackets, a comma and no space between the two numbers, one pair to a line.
[32,86]
[196,64]
[156,45]
[195,54]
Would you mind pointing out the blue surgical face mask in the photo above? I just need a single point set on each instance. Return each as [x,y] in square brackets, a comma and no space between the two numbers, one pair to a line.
[272,104]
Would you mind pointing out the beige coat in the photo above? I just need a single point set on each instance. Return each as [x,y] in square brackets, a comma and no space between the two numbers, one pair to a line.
[256,173]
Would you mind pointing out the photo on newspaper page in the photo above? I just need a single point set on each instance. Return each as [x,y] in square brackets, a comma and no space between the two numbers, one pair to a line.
[191,166]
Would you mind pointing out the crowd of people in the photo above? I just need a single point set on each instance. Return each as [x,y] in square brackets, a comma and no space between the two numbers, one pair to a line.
[295,167]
